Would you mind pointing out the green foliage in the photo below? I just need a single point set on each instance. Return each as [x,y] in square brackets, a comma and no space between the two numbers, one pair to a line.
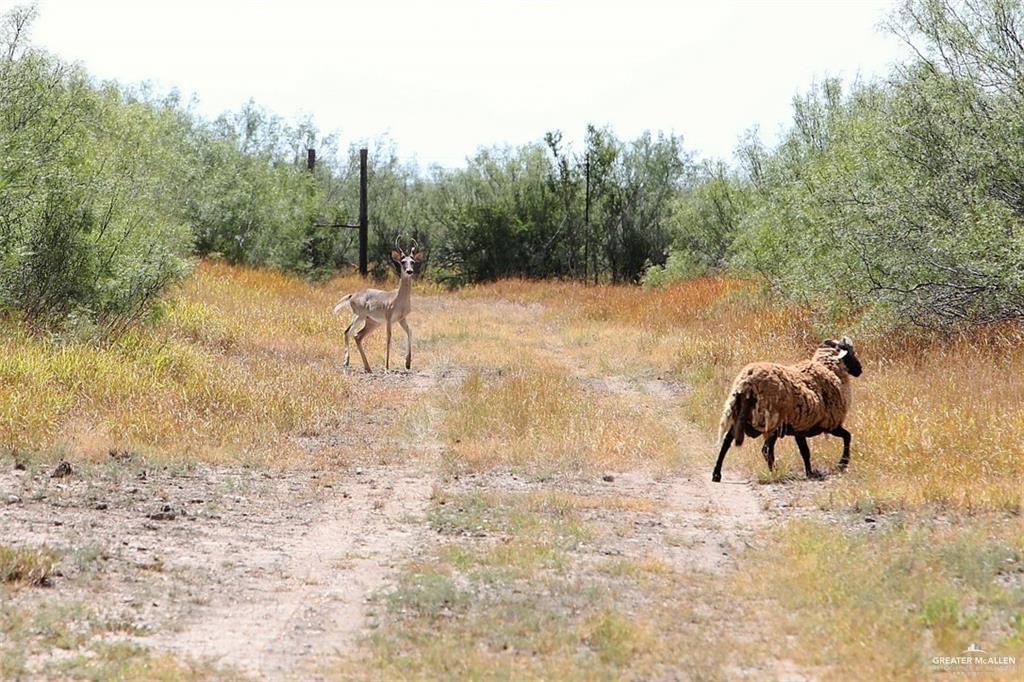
[905,199]
[704,221]
[635,187]
[522,211]
[678,267]
[254,200]
[86,191]
[107,191]
[900,200]
[501,216]
[706,218]
[429,594]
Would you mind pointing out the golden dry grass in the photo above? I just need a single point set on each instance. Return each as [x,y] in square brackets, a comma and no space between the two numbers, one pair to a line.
[514,375]
[882,604]
[26,565]
[242,359]
[545,420]
[935,420]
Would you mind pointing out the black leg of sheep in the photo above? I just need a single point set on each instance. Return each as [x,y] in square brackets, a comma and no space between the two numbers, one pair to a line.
[805,452]
[845,435]
[768,451]
[716,476]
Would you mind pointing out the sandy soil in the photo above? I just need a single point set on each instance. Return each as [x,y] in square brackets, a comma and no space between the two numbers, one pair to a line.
[290,605]
[259,573]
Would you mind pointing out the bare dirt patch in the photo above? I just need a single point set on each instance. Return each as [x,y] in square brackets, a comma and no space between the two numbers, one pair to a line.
[255,572]
[279,611]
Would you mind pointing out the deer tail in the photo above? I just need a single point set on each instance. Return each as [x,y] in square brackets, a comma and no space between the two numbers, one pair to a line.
[341,304]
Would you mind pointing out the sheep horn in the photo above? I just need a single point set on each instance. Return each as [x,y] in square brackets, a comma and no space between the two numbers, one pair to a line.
[842,354]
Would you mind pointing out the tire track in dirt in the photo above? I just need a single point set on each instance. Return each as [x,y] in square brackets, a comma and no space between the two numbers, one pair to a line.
[711,521]
[290,610]
[296,598]
[703,526]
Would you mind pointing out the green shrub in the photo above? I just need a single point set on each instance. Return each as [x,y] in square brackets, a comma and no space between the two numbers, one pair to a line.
[680,266]
[87,223]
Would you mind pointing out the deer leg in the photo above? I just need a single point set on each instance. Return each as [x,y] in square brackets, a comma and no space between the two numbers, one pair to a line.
[408,344]
[716,475]
[348,330]
[845,435]
[387,352]
[360,335]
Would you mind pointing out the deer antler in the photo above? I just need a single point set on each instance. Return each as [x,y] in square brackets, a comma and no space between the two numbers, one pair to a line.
[399,248]
[415,246]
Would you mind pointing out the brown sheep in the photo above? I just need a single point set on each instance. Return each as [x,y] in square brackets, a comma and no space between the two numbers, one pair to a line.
[801,400]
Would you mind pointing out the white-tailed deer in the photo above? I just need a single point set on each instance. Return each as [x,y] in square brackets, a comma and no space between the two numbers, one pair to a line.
[378,307]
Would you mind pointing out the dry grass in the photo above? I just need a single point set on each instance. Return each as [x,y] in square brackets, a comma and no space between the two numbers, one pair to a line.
[511,398]
[935,420]
[70,640]
[518,375]
[507,595]
[546,421]
[26,565]
[241,360]
[936,423]
[882,604]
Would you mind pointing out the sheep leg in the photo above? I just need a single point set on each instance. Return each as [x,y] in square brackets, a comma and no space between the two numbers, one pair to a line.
[805,452]
[845,435]
[768,450]
[716,476]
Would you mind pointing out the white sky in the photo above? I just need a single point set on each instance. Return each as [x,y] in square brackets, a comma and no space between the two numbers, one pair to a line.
[442,78]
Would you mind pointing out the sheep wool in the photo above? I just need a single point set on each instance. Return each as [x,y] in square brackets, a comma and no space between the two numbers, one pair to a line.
[810,395]
[801,400]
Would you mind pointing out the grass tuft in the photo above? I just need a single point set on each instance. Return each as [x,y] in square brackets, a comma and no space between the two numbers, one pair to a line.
[27,565]
[881,604]
[542,420]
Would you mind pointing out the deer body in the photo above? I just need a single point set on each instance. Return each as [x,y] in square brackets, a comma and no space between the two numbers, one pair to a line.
[374,307]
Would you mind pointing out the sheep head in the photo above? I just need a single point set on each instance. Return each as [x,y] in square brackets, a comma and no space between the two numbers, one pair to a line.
[846,354]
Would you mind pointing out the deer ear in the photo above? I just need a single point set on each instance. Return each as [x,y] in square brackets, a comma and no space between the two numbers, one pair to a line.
[418,256]
[395,256]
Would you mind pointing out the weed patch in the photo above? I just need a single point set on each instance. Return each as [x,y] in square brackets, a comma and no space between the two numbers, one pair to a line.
[881,604]
[27,565]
